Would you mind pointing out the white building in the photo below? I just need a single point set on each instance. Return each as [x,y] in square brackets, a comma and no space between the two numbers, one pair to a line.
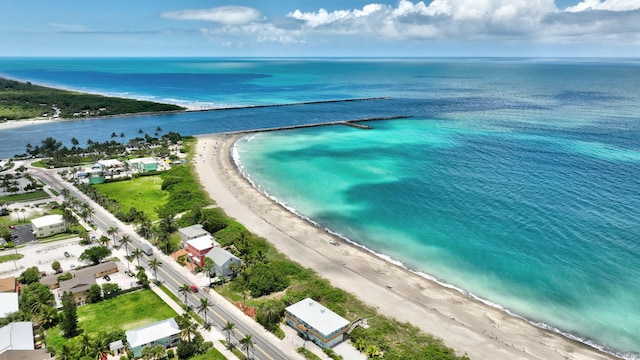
[8,303]
[16,336]
[111,163]
[165,333]
[48,225]
[192,232]
[317,323]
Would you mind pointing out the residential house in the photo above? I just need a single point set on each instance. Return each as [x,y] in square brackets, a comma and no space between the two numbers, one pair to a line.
[99,270]
[144,164]
[199,247]
[318,324]
[165,333]
[8,303]
[192,232]
[48,225]
[51,281]
[78,286]
[111,163]
[95,271]
[222,261]
[8,284]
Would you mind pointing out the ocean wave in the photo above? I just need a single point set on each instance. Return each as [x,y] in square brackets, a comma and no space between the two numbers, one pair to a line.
[542,325]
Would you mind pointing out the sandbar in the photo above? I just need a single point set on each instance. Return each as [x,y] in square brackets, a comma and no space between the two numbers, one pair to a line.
[467,325]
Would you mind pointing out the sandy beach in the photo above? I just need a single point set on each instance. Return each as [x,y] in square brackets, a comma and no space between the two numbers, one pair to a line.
[467,325]
[12,124]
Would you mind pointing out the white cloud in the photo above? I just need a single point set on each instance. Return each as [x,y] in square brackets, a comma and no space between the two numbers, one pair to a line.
[527,20]
[517,21]
[611,5]
[69,27]
[227,15]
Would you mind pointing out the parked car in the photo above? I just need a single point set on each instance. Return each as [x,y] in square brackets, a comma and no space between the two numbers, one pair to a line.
[73,267]
[12,227]
[106,278]
[193,289]
[66,254]
[4,212]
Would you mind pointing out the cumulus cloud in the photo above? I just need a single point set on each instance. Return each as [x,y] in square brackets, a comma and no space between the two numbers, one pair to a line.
[470,19]
[611,5]
[459,20]
[227,15]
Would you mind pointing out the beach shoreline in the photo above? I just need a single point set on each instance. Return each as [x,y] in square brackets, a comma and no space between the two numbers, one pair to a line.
[465,324]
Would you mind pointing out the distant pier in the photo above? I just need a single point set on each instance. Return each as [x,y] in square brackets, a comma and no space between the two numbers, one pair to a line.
[352,123]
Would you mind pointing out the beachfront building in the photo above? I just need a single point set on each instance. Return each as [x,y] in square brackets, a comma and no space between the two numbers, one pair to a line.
[192,232]
[222,260]
[165,333]
[317,323]
[199,247]
[144,164]
[48,225]
[111,164]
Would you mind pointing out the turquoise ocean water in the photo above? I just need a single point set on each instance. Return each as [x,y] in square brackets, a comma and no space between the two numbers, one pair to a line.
[514,180]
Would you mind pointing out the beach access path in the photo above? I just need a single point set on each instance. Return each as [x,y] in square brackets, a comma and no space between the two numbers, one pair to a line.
[467,325]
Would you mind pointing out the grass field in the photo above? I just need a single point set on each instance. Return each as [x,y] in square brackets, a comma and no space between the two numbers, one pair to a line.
[10,257]
[124,312]
[143,193]
[25,197]
[212,354]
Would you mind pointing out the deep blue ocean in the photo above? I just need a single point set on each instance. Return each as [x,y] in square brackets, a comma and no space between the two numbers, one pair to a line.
[516,181]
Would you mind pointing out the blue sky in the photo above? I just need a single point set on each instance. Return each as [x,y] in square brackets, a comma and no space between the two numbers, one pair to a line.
[593,28]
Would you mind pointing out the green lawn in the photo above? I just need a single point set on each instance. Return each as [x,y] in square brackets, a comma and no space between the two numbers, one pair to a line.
[124,312]
[10,257]
[25,197]
[212,354]
[143,193]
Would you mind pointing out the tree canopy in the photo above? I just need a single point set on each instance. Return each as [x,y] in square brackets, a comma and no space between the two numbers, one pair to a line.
[95,254]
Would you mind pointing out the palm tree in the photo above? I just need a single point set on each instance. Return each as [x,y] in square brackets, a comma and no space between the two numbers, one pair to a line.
[189,329]
[125,240]
[154,264]
[247,344]
[113,231]
[65,352]
[85,346]
[184,290]
[104,241]
[228,329]
[209,266]
[137,254]
[204,305]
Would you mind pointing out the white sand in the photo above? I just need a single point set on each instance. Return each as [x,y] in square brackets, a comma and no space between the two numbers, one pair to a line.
[466,325]
[12,124]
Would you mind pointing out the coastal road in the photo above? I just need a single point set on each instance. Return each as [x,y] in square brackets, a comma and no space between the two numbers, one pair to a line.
[266,345]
